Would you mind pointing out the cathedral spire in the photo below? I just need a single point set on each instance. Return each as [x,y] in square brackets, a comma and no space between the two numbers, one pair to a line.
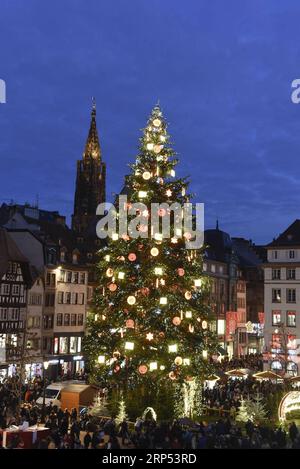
[92,146]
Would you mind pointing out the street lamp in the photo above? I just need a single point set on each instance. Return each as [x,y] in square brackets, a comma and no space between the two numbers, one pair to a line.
[45,368]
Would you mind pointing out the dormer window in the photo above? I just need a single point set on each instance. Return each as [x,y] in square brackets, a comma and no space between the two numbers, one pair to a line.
[75,256]
[62,256]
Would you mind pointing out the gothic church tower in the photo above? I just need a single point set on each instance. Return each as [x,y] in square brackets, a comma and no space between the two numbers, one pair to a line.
[90,181]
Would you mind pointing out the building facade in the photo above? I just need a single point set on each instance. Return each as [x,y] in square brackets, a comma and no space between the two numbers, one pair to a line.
[15,280]
[282,302]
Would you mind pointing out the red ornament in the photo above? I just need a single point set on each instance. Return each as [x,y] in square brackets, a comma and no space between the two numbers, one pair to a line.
[132,257]
[117,369]
[145,291]
[180,272]
[112,287]
[161,334]
[143,369]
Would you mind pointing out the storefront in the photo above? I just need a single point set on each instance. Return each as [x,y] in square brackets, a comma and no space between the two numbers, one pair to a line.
[65,367]
[33,370]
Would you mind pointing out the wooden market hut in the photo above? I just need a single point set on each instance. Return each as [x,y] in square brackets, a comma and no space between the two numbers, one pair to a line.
[77,395]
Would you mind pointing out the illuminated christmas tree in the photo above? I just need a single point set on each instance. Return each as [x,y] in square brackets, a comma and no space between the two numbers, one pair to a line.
[152,322]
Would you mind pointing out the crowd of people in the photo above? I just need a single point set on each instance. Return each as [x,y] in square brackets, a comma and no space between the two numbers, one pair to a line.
[71,430]
[253,362]
[106,434]
[226,395]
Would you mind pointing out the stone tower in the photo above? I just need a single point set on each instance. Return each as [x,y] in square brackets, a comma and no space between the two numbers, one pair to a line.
[90,181]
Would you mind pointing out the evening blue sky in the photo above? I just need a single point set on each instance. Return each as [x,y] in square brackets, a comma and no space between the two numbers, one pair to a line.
[222,71]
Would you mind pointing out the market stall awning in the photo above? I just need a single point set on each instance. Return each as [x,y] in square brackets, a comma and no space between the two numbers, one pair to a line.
[236,373]
[267,375]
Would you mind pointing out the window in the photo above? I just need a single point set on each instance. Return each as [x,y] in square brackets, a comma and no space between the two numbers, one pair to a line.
[68,298]
[276,365]
[80,320]
[276,318]
[60,297]
[73,319]
[204,267]
[14,314]
[275,254]
[63,345]
[30,322]
[276,274]
[75,258]
[292,369]
[37,321]
[47,321]
[291,274]
[49,299]
[55,348]
[276,341]
[66,319]
[291,342]
[213,268]
[5,289]
[292,254]
[45,343]
[291,295]
[75,277]
[15,289]
[82,277]
[74,298]
[81,298]
[59,318]
[291,318]
[50,279]
[69,277]
[62,276]
[3,313]
[73,344]
[276,295]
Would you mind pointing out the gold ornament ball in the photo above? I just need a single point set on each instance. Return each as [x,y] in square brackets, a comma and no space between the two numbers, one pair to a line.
[178,361]
[154,252]
[131,300]
[157,122]
[204,324]
[146,175]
